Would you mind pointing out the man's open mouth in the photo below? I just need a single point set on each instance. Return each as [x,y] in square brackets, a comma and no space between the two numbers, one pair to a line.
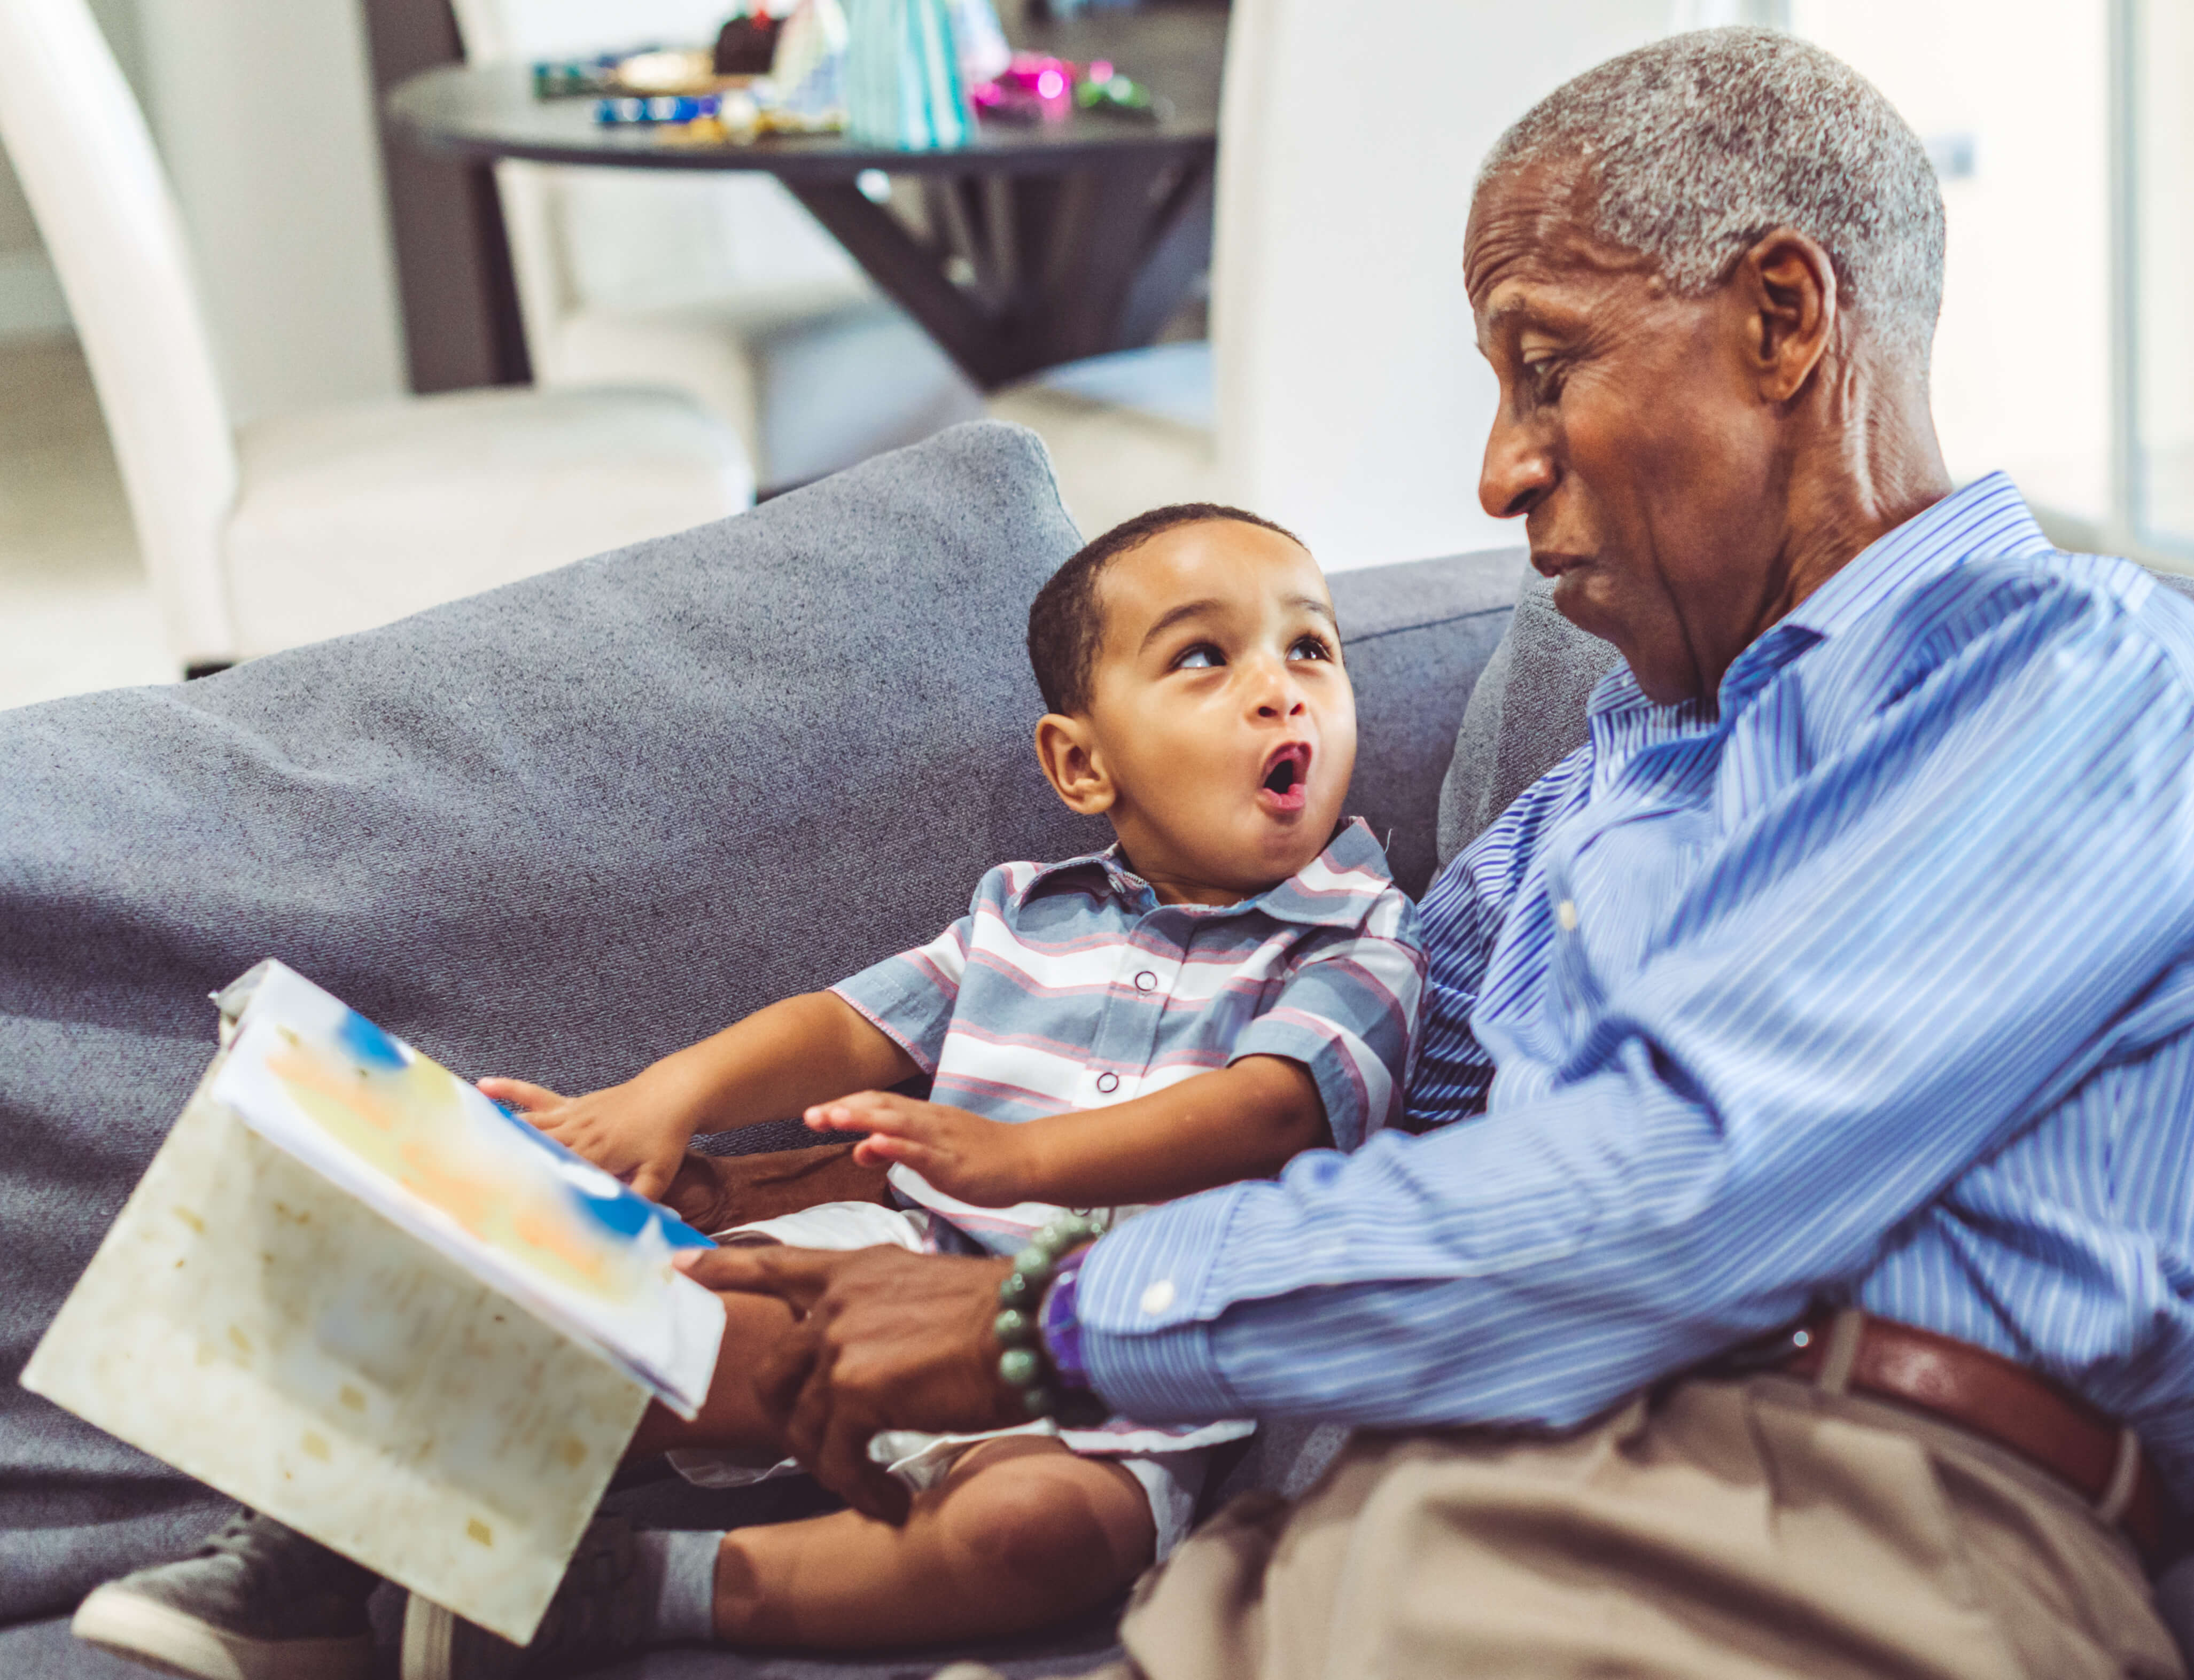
[1286,783]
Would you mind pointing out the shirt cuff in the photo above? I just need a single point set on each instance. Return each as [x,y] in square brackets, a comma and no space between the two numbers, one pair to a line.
[902,1001]
[1138,1308]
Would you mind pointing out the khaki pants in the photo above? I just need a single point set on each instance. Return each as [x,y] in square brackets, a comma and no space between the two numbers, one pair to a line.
[1726,1528]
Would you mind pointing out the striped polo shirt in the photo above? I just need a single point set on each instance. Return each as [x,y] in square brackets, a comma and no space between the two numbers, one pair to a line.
[1070,986]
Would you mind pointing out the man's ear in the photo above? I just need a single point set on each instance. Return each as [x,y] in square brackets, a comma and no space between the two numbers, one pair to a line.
[1066,748]
[1789,286]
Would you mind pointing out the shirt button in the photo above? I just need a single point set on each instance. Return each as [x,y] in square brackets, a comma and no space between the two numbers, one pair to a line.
[1108,1083]
[1566,913]
[1147,982]
[1157,1297]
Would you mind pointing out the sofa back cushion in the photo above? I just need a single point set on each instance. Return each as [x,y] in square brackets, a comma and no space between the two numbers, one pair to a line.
[554,831]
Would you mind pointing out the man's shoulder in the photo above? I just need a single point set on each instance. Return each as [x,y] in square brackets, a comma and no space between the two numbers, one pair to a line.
[2101,603]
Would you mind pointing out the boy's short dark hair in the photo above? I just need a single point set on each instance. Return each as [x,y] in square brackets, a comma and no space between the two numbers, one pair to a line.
[1066,623]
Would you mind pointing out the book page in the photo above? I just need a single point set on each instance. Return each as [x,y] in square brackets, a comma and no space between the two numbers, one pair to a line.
[433,1154]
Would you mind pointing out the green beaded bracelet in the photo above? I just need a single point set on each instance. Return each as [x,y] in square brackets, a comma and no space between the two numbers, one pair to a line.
[1024,1365]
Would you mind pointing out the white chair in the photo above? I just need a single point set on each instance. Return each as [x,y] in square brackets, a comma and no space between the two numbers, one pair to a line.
[299,528]
[717,284]
[1346,399]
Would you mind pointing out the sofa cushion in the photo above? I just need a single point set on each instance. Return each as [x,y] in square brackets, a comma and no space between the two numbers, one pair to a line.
[1415,637]
[556,830]
[1525,715]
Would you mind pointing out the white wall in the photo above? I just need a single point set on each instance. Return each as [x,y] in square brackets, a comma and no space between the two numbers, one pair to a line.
[263,111]
[2164,345]
[1353,405]
[2022,357]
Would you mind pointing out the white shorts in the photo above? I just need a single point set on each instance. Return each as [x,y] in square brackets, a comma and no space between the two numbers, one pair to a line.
[1170,1480]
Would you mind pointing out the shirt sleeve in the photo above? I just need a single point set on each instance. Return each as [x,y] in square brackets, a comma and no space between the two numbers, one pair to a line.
[1930,934]
[910,998]
[1348,1013]
[1460,923]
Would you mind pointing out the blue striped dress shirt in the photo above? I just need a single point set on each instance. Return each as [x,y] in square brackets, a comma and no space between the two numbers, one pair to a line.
[1870,979]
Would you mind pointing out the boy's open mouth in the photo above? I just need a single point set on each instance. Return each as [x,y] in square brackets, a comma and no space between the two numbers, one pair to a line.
[1286,783]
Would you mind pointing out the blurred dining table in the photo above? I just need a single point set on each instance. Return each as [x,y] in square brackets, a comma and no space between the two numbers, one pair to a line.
[1037,243]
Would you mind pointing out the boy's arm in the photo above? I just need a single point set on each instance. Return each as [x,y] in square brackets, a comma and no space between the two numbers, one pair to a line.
[775,1062]
[1244,1121]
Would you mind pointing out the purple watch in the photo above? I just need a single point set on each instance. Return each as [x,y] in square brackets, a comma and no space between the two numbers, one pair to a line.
[1061,1329]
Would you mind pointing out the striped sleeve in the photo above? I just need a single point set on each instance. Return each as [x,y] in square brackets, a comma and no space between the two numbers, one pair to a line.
[910,998]
[1465,911]
[1349,1014]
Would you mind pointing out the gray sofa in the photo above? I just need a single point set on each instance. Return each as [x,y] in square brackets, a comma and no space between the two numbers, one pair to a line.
[560,829]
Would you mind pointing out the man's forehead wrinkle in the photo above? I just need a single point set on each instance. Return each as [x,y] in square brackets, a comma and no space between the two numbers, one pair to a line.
[1538,227]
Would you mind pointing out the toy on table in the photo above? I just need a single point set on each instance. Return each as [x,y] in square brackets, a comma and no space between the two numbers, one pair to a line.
[1037,87]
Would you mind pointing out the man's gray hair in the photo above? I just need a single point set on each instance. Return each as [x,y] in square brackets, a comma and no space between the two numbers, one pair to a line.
[1699,144]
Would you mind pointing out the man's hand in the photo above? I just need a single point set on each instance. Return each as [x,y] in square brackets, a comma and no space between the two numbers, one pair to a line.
[987,1162]
[713,1193]
[627,1129]
[889,1340]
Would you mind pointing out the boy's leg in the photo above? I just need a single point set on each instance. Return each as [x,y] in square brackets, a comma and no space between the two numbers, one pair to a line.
[1021,1533]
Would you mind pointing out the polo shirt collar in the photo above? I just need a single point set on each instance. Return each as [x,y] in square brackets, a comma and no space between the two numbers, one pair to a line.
[1335,889]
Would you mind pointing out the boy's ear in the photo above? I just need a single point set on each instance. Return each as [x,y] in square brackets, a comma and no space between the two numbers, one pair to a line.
[1066,748]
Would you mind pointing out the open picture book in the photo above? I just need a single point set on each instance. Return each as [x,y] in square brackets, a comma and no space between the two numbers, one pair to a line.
[353,1293]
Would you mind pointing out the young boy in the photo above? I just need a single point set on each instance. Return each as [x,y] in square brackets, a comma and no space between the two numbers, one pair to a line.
[1233,982]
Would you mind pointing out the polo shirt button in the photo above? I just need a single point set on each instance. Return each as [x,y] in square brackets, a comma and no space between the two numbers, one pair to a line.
[1108,1083]
[1147,982]
[1157,1297]
[1566,913]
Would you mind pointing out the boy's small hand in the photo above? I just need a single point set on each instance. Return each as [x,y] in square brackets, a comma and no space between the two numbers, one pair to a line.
[620,1129]
[985,1162]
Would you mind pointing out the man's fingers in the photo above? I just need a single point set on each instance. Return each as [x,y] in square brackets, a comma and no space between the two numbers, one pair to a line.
[782,1369]
[843,1466]
[794,1275]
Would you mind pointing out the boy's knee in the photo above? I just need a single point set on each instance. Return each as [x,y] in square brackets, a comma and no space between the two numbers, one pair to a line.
[1052,1524]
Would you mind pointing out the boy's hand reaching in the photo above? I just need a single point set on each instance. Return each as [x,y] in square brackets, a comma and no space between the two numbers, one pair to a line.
[622,1129]
[985,1162]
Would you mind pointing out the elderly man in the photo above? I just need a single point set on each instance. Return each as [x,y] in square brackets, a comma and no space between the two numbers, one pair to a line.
[1841,981]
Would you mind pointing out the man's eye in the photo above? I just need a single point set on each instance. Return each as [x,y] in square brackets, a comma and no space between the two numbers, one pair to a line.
[1544,376]
[1202,657]
[1310,647]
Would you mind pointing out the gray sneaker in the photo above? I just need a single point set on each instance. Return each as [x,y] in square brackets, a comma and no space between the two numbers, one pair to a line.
[256,1602]
[601,1611]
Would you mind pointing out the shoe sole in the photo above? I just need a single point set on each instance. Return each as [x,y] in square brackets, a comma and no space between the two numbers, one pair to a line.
[174,1642]
[441,1645]
[429,1632]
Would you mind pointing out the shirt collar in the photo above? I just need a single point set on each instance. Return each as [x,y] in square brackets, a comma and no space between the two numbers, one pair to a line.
[1987,517]
[1335,889]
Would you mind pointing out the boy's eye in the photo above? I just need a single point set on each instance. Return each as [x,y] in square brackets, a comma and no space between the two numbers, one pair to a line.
[1310,647]
[1202,657]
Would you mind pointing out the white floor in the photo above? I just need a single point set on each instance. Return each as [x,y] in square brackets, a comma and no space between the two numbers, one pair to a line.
[75,612]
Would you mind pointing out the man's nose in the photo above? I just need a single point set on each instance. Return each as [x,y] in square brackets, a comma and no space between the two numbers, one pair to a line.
[1519,469]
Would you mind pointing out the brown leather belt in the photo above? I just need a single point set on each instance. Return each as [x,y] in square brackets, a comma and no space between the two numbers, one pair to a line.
[1992,1396]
